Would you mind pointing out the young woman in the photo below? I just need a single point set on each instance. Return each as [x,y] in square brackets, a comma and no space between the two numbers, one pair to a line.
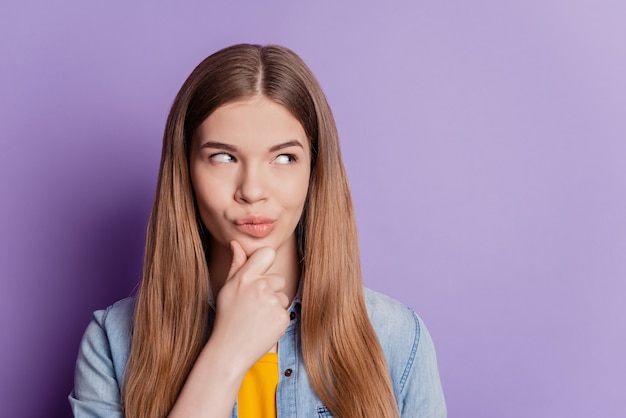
[252,303]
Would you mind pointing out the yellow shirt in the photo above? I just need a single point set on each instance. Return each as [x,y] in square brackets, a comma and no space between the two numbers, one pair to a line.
[257,394]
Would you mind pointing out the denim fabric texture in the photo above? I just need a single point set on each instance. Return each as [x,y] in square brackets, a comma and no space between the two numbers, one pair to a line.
[407,345]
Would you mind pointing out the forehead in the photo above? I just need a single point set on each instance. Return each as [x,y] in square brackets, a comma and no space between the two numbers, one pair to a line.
[257,121]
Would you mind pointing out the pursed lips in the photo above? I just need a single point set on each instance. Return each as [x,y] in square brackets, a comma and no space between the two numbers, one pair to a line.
[255,226]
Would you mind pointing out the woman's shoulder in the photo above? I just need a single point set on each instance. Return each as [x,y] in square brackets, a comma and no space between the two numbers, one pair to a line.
[112,325]
[407,345]
[115,327]
[397,326]
[110,332]
[101,361]
[389,316]
[118,316]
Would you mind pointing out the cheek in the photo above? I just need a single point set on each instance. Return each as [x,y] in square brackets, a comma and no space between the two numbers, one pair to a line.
[296,194]
[211,211]
[211,196]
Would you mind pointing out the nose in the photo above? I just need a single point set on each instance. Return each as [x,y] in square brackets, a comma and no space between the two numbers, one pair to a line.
[251,186]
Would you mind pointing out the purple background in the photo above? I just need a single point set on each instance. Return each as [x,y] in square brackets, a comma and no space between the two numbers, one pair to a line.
[485,143]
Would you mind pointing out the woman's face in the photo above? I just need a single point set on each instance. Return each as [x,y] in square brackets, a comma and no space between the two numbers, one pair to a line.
[250,165]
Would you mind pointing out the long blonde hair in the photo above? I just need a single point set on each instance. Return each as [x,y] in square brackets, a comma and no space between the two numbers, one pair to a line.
[342,356]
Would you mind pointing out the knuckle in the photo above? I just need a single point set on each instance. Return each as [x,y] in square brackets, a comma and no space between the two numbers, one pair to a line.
[260,285]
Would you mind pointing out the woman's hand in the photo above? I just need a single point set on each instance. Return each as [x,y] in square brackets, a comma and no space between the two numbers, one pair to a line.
[251,311]
[251,317]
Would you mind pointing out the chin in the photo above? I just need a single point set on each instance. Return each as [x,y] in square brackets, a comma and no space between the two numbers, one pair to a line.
[250,246]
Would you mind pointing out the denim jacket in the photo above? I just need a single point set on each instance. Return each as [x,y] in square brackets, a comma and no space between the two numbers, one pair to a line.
[407,345]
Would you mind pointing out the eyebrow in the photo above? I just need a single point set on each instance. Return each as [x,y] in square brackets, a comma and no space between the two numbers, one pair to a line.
[219,145]
[292,143]
[232,148]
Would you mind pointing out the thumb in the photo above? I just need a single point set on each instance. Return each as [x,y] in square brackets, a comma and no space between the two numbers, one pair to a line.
[239,258]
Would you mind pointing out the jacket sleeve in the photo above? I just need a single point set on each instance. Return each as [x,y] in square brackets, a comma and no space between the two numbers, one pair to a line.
[96,388]
[422,393]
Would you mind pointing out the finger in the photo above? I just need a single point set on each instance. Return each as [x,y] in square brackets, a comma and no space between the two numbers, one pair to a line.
[239,258]
[283,300]
[275,282]
[259,262]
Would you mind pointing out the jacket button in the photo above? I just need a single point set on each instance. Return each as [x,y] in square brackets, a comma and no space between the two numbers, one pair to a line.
[288,372]
[292,315]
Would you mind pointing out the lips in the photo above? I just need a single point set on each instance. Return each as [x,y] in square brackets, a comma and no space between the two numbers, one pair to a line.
[255,226]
